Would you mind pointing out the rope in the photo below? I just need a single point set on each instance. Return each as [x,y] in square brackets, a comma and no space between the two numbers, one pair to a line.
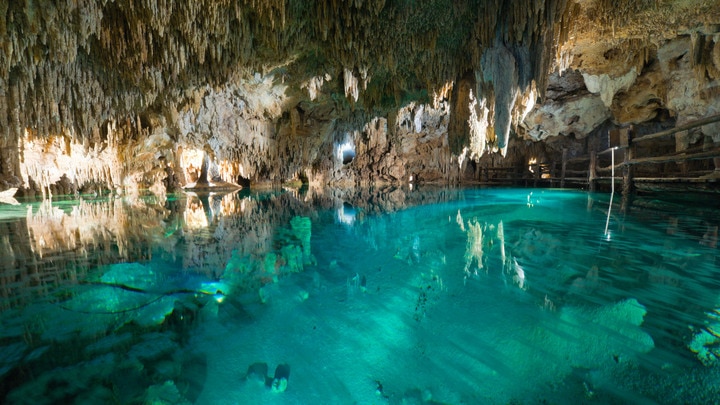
[132,289]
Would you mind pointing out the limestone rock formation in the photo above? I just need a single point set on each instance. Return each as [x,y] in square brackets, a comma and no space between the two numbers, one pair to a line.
[128,95]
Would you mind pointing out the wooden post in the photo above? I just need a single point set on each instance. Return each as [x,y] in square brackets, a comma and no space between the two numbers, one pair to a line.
[563,167]
[627,167]
[591,170]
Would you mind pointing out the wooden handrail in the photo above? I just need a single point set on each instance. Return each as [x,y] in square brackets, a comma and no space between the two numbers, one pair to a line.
[691,125]
[610,149]
[618,166]
[629,160]
[676,157]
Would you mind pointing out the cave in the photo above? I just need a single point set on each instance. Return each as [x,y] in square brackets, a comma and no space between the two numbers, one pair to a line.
[243,182]
[346,152]
[382,201]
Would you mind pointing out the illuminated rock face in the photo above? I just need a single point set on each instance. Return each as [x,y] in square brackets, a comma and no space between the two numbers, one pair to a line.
[140,94]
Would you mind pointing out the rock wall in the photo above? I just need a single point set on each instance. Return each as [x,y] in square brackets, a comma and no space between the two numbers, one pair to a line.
[654,61]
[130,95]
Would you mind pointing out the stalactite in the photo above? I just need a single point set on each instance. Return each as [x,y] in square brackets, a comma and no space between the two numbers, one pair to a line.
[352,89]
[68,69]
[478,123]
[500,70]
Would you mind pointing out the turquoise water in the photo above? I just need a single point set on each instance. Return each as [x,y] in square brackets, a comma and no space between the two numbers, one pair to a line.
[453,296]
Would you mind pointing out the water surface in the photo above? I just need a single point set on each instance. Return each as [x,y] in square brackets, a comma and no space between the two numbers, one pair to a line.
[366,296]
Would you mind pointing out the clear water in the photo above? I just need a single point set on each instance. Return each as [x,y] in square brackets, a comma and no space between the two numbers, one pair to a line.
[463,296]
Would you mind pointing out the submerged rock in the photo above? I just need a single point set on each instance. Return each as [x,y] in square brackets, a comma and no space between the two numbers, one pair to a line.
[165,393]
[280,379]
[258,372]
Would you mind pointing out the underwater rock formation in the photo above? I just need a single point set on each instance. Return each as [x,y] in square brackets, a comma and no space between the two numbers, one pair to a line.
[135,94]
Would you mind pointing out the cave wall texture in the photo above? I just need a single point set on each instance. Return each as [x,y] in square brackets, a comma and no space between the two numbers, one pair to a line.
[129,95]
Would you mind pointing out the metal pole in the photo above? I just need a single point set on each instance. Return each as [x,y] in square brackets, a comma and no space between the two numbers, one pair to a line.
[612,190]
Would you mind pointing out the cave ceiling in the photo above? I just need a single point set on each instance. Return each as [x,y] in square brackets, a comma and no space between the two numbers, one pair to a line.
[267,87]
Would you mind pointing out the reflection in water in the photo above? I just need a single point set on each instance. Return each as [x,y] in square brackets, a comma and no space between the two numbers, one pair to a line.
[195,216]
[346,214]
[487,296]
[476,245]
[58,243]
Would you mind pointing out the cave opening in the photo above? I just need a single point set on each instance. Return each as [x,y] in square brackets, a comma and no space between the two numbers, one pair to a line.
[243,182]
[348,156]
[303,177]
[346,152]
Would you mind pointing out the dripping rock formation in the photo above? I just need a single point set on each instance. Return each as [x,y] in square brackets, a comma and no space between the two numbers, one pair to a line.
[131,95]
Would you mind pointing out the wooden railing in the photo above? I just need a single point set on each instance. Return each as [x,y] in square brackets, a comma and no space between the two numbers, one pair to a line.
[593,169]
[628,147]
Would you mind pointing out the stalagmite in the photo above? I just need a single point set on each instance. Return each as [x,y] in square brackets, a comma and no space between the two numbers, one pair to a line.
[7,196]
